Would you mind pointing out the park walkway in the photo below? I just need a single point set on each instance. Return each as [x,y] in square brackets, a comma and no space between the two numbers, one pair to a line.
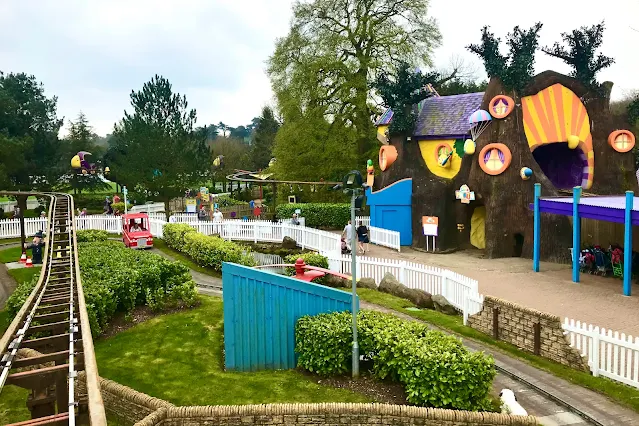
[595,300]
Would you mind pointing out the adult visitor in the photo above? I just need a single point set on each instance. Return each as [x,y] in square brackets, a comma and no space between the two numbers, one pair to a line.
[218,217]
[348,234]
[362,237]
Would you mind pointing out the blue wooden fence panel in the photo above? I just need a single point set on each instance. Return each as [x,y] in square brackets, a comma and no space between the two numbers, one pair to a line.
[260,312]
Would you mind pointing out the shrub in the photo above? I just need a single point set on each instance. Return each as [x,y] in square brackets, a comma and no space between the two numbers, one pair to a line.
[435,369]
[92,235]
[226,201]
[174,234]
[311,259]
[211,251]
[318,214]
[120,206]
[117,279]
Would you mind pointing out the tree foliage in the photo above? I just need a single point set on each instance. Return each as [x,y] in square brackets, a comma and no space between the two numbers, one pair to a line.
[236,156]
[458,86]
[29,145]
[323,72]
[265,130]
[580,53]
[157,150]
[516,68]
[401,92]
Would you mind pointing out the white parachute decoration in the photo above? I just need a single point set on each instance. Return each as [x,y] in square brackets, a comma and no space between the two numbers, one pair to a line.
[479,121]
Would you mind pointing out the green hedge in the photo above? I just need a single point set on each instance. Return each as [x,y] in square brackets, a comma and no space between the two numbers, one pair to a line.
[435,369]
[208,251]
[117,279]
[120,206]
[91,236]
[318,214]
[226,201]
[311,259]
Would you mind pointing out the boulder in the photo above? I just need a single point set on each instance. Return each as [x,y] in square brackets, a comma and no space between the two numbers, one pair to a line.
[289,243]
[367,283]
[442,305]
[390,285]
[420,298]
[336,282]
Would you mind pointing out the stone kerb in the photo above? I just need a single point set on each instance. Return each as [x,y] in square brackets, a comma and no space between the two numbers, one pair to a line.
[516,325]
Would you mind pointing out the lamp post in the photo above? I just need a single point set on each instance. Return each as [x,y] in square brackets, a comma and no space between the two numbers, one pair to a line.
[125,192]
[353,186]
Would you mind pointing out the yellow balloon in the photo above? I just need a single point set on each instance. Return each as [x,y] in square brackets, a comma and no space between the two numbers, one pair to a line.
[75,162]
[469,147]
[573,141]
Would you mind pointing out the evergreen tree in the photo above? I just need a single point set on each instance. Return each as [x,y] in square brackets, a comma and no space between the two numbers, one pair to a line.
[265,131]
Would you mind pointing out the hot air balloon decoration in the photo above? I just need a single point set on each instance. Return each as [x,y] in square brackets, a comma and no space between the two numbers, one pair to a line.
[479,121]
[79,162]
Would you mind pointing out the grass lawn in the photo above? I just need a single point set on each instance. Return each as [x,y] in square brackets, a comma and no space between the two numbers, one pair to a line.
[624,395]
[24,275]
[183,259]
[178,358]
[9,240]
[11,254]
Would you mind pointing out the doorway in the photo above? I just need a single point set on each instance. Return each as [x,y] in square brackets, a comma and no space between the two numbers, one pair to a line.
[519,245]
[478,227]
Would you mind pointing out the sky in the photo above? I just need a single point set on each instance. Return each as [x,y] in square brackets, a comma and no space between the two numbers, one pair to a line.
[91,54]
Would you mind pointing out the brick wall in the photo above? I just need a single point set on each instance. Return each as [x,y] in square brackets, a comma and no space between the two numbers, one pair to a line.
[516,325]
[327,414]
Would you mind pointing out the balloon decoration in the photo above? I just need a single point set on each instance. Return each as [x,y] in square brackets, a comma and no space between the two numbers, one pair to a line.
[479,121]
[525,173]
[79,162]
[469,147]
[370,173]
[218,162]
[573,141]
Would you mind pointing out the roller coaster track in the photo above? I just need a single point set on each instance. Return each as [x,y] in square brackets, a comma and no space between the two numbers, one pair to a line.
[54,324]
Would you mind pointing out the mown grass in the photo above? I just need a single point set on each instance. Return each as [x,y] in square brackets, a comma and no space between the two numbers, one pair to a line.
[183,259]
[24,275]
[10,255]
[178,358]
[9,240]
[620,393]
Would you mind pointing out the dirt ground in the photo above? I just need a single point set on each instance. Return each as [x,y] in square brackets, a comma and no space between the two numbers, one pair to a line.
[595,300]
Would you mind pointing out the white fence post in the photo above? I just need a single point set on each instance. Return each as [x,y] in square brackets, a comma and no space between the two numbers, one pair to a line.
[466,307]
[594,350]
[402,272]
[445,283]
[255,232]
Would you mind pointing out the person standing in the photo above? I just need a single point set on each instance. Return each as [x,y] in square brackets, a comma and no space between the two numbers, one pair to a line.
[295,220]
[218,217]
[362,237]
[36,248]
[348,234]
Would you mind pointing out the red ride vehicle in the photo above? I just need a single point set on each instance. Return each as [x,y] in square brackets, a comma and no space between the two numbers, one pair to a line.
[136,231]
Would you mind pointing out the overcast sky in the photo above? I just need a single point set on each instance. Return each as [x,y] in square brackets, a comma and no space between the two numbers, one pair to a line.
[92,53]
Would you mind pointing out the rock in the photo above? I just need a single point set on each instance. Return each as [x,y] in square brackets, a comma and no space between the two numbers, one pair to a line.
[390,285]
[289,243]
[367,283]
[442,305]
[336,282]
[420,298]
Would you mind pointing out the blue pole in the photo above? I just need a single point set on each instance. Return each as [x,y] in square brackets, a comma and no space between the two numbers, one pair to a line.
[627,244]
[576,233]
[537,226]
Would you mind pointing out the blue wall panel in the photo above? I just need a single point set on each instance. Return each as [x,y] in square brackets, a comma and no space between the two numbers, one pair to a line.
[391,208]
[260,311]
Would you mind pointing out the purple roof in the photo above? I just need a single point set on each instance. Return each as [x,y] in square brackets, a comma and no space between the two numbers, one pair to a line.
[447,115]
[385,119]
[609,208]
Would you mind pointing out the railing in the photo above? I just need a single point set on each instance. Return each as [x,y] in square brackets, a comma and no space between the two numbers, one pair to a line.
[10,228]
[192,218]
[610,354]
[269,259]
[385,237]
[109,223]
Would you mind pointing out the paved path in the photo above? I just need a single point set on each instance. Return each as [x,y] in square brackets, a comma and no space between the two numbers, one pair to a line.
[206,284]
[591,403]
[595,300]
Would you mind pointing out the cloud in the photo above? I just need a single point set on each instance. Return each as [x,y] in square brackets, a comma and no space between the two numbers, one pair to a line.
[91,54]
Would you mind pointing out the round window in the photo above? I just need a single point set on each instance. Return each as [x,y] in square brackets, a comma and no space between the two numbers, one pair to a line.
[494,158]
[621,140]
[387,156]
[501,106]
[442,152]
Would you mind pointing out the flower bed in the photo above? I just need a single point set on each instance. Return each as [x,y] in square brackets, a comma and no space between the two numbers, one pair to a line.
[435,369]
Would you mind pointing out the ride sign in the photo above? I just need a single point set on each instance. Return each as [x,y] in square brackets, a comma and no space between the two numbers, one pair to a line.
[430,225]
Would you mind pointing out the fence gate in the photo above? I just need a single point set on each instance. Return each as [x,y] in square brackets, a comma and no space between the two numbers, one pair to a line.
[260,311]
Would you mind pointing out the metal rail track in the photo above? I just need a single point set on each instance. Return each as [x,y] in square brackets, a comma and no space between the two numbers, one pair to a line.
[53,322]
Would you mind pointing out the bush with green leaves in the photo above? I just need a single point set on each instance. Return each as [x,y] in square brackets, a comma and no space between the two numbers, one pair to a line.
[120,206]
[226,201]
[212,251]
[173,234]
[117,279]
[311,259]
[92,236]
[435,369]
[317,215]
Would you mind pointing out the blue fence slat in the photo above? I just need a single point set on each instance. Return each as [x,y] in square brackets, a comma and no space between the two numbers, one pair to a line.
[260,312]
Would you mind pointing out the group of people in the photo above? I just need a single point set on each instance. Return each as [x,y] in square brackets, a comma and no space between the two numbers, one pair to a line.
[362,238]
[108,205]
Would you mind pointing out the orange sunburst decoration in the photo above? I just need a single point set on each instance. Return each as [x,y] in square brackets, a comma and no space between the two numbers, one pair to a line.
[553,115]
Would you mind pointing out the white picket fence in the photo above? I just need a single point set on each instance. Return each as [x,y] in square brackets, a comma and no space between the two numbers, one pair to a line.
[385,237]
[610,354]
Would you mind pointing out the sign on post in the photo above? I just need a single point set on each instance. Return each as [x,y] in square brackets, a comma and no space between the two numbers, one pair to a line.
[191,204]
[430,225]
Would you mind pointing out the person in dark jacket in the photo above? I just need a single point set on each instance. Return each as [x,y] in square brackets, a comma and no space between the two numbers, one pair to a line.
[362,237]
[36,248]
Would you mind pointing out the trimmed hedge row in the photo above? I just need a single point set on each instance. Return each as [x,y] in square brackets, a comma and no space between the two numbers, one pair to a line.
[92,236]
[318,214]
[117,279]
[435,369]
[209,251]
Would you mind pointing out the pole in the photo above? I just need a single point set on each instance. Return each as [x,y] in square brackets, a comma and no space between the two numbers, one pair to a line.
[537,226]
[124,192]
[627,244]
[354,287]
[576,233]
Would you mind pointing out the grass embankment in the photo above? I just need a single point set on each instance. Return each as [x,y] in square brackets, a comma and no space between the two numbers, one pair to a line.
[620,393]
[183,259]
[178,358]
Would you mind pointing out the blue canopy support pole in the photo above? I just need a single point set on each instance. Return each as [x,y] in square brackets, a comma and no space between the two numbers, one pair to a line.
[576,233]
[627,244]
[537,226]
